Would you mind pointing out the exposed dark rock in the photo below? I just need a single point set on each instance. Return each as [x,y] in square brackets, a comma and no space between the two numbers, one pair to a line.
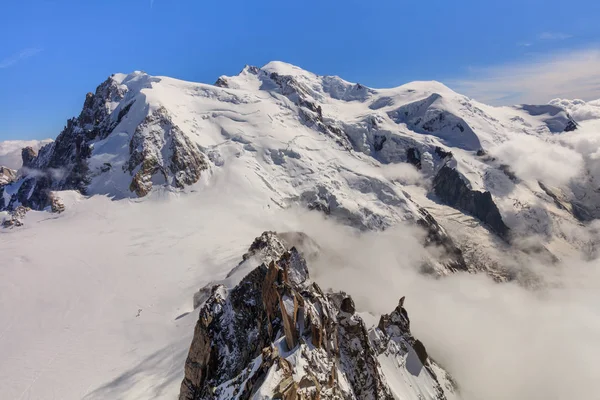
[28,154]
[413,156]
[508,172]
[441,153]
[222,82]
[378,141]
[34,193]
[186,161]
[581,212]
[571,126]
[16,217]
[421,351]
[348,305]
[452,190]
[124,112]
[56,204]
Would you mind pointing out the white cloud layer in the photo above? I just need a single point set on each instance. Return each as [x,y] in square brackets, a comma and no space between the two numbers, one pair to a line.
[571,75]
[531,158]
[579,109]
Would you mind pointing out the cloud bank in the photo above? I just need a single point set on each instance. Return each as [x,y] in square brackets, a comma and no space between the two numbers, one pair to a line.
[579,109]
[537,80]
[532,158]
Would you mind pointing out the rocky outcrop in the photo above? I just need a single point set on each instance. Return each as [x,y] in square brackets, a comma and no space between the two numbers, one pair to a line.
[7,175]
[452,190]
[15,219]
[28,155]
[180,165]
[63,164]
[278,335]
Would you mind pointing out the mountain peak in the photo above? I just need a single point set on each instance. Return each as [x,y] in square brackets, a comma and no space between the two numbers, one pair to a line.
[283,68]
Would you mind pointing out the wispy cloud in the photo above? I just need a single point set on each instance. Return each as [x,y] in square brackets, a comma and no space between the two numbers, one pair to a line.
[18,57]
[544,37]
[554,36]
[571,74]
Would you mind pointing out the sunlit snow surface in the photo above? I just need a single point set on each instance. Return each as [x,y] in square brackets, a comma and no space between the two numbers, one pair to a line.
[95,300]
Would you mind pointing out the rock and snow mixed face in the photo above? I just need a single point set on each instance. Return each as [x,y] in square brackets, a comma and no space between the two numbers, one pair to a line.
[276,334]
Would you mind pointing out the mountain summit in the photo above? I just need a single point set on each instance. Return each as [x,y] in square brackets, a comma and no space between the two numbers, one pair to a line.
[317,141]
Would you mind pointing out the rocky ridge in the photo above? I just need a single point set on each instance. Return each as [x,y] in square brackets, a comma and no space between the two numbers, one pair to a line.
[277,334]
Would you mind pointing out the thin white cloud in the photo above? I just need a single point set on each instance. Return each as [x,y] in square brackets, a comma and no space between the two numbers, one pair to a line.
[20,56]
[554,36]
[571,74]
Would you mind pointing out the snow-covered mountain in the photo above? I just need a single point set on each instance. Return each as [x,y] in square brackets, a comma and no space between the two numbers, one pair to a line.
[483,189]
[326,144]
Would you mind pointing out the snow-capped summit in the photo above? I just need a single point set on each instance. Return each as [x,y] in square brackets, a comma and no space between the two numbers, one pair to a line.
[317,141]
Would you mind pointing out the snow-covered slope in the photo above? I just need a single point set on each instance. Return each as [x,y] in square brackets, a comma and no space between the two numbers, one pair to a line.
[195,169]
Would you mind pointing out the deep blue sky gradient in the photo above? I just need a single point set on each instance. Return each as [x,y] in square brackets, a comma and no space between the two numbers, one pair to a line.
[384,43]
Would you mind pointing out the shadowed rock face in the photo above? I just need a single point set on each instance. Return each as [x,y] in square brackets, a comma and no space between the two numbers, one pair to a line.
[28,154]
[278,333]
[453,191]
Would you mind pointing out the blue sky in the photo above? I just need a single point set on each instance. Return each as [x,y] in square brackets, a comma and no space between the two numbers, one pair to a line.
[53,52]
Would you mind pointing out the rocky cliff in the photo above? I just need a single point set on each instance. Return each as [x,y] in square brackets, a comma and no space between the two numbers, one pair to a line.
[277,334]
